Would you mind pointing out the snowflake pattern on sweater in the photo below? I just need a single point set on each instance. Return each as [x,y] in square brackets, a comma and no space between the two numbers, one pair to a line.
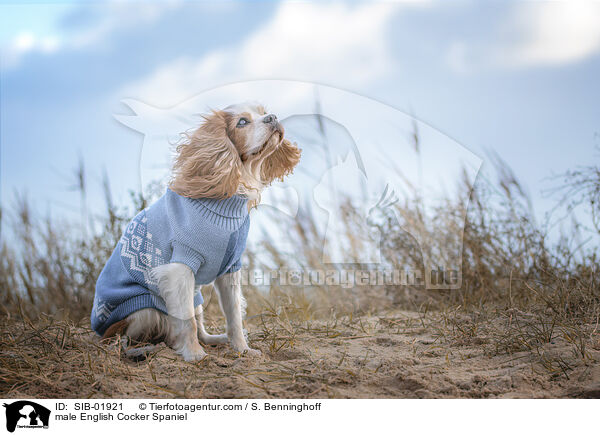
[138,249]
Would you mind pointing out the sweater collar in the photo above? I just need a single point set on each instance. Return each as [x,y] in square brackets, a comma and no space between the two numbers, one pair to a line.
[233,207]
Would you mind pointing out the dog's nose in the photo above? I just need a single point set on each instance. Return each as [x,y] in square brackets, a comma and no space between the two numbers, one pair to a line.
[270,119]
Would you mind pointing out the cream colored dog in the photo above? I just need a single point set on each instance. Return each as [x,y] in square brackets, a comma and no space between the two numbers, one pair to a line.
[238,150]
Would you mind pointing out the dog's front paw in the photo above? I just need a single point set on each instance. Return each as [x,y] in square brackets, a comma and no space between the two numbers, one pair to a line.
[243,349]
[193,353]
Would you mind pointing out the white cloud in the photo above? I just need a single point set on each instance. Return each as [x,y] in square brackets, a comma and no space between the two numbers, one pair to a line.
[536,34]
[339,43]
[111,16]
[559,32]
[27,41]
[24,41]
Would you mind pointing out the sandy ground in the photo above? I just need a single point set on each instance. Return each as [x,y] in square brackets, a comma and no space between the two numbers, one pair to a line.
[399,355]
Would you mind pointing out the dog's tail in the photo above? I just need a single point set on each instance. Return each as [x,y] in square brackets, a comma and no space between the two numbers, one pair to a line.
[115,329]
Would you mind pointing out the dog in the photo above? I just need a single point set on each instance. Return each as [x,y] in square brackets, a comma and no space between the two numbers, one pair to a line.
[194,234]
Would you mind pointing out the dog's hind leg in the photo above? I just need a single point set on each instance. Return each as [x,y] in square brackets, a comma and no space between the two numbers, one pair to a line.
[136,353]
[203,336]
[143,326]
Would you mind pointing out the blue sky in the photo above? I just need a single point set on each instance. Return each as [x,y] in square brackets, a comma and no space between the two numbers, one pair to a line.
[518,78]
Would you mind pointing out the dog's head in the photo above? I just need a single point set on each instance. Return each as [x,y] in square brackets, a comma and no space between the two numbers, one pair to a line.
[240,149]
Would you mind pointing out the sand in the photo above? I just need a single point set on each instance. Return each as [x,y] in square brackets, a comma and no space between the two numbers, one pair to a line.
[397,355]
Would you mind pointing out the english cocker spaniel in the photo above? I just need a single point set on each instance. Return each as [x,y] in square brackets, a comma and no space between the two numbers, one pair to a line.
[194,234]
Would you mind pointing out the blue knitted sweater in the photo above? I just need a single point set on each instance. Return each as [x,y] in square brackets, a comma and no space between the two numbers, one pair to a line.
[208,235]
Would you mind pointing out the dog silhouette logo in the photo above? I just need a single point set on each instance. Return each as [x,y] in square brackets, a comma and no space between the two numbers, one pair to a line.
[364,164]
[26,414]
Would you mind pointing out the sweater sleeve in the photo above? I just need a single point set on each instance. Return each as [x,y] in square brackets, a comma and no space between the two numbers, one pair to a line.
[235,266]
[186,255]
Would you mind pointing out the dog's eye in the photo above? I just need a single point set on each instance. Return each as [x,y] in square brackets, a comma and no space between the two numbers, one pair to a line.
[242,122]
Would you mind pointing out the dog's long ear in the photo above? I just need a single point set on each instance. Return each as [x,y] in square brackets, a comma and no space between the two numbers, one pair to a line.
[207,164]
[281,162]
